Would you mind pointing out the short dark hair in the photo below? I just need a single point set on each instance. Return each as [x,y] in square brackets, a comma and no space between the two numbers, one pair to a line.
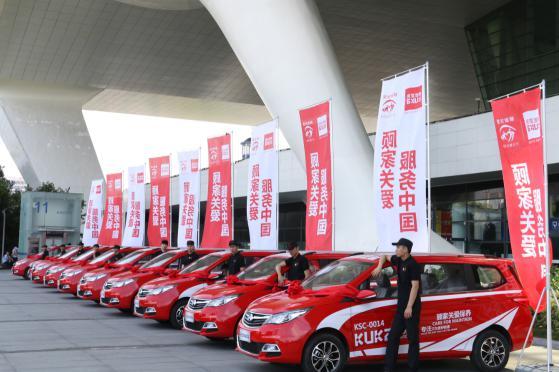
[190,243]
[96,246]
[234,243]
[165,241]
[116,246]
[80,244]
[45,246]
[292,245]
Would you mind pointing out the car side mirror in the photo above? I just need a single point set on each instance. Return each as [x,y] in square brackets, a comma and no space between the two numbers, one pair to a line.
[365,294]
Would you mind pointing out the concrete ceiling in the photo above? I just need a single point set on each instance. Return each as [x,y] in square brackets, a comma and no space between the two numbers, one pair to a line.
[179,50]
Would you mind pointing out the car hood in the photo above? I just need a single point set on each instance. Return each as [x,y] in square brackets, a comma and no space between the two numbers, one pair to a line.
[224,289]
[158,282]
[135,276]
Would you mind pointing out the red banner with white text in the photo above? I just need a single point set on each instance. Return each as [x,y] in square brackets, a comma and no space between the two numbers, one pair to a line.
[518,122]
[217,224]
[159,216]
[316,127]
[111,228]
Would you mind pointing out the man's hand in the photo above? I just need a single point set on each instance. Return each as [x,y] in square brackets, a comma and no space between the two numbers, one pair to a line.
[408,313]
[376,272]
[281,279]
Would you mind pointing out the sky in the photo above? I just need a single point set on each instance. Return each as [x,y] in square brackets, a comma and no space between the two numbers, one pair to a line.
[123,140]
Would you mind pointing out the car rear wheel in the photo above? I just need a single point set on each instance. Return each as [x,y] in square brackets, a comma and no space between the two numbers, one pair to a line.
[175,318]
[491,351]
[324,353]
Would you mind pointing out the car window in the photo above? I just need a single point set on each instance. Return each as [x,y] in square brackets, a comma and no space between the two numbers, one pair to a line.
[102,257]
[129,258]
[385,285]
[159,261]
[262,269]
[174,265]
[443,278]
[337,273]
[84,256]
[487,277]
[201,263]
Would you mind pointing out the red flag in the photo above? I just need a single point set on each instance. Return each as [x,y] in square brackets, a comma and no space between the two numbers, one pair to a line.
[315,123]
[217,224]
[518,122]
[159,217]
[111,228]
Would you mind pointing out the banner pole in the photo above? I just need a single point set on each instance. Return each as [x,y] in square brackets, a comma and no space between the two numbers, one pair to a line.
[547,255]
[530,330]
[428,104]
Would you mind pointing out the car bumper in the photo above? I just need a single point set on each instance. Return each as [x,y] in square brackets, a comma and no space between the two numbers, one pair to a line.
[213,322]
[153,308]
[116,299]
[67,286]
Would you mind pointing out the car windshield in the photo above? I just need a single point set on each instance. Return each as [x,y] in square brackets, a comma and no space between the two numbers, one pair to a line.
[201,263]
[159,260]
[337,273]
[68,254]
[102,257]
[261,269]
[130,258]
[83,256]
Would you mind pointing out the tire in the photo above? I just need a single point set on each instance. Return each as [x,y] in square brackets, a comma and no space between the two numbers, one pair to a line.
[317,346]
[491,351]
[26,274]
[178,308]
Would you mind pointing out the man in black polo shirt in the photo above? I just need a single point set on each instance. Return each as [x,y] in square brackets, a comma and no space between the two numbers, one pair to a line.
[409,305]
[191,256]
[236,262]
[297,264]
[164,246]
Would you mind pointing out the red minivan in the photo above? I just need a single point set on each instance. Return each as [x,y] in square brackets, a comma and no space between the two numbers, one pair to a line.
[215,311]
[164,299]
[471,306]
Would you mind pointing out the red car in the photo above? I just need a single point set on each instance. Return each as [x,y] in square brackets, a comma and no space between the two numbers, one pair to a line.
[215,311]
[53,272]
[23,266]
[471,306]
[119,291]
[40,267]
[164,299]
[70,278]
[91,284]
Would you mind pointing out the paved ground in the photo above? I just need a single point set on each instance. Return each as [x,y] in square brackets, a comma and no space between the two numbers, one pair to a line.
[43,330]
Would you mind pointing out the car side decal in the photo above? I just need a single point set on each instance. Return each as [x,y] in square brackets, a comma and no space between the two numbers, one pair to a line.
[190,291]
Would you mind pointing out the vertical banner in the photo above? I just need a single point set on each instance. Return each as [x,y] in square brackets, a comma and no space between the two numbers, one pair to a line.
[93,213]
[134,230]
[518,122]
[316,127]
[160,192]
[218,221]
[262,193]
[189,197]
[400,163]
[111,229]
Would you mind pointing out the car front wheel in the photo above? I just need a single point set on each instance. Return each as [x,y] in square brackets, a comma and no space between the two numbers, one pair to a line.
[491,351]
[176,315]
[324,353]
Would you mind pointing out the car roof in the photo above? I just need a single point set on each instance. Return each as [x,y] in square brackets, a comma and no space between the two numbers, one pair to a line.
[448,257]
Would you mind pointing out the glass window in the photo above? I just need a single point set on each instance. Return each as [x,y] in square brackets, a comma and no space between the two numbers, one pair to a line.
[262,269]
[102,257]
[487,277]
[159,261]
[201,263]
[337,273]
[443,278]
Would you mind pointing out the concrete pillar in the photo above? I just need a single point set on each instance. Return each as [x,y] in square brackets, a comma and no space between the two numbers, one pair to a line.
[45,132]
[285,50]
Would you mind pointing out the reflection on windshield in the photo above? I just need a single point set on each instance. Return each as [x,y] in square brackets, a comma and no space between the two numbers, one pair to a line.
[337,273]
[261,269]
[68,254]
[159,260]
[201,263]
[83,256]
[102,257]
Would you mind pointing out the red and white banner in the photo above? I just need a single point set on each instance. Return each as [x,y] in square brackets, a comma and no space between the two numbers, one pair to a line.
[400,165]
[518,122]
[111,229]
[316,127]
[189,197]
[93,214]
[160,197]
[262,193]
[135,227]
[217,224]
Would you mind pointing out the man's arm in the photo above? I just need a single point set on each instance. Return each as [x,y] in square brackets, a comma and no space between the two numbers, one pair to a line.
[382,260]
[413,295]
[278,271]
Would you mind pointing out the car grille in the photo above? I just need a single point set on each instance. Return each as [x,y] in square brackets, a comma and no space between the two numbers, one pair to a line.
[105,300]
[143,292]
[197,304]
[251,319]
[195,326]
[140,310]
[251,347]
[108,285]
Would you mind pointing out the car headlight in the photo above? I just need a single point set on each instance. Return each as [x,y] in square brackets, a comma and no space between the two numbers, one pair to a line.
[286,316]
[222,301]
[122,283]
[160,290]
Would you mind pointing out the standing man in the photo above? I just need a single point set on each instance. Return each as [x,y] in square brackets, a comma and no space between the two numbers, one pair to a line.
[236,262]
[164,246]
[297,265]
[96,250]
[191,256]
[409,305]
[45,252]
[80,249]
[15,254]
